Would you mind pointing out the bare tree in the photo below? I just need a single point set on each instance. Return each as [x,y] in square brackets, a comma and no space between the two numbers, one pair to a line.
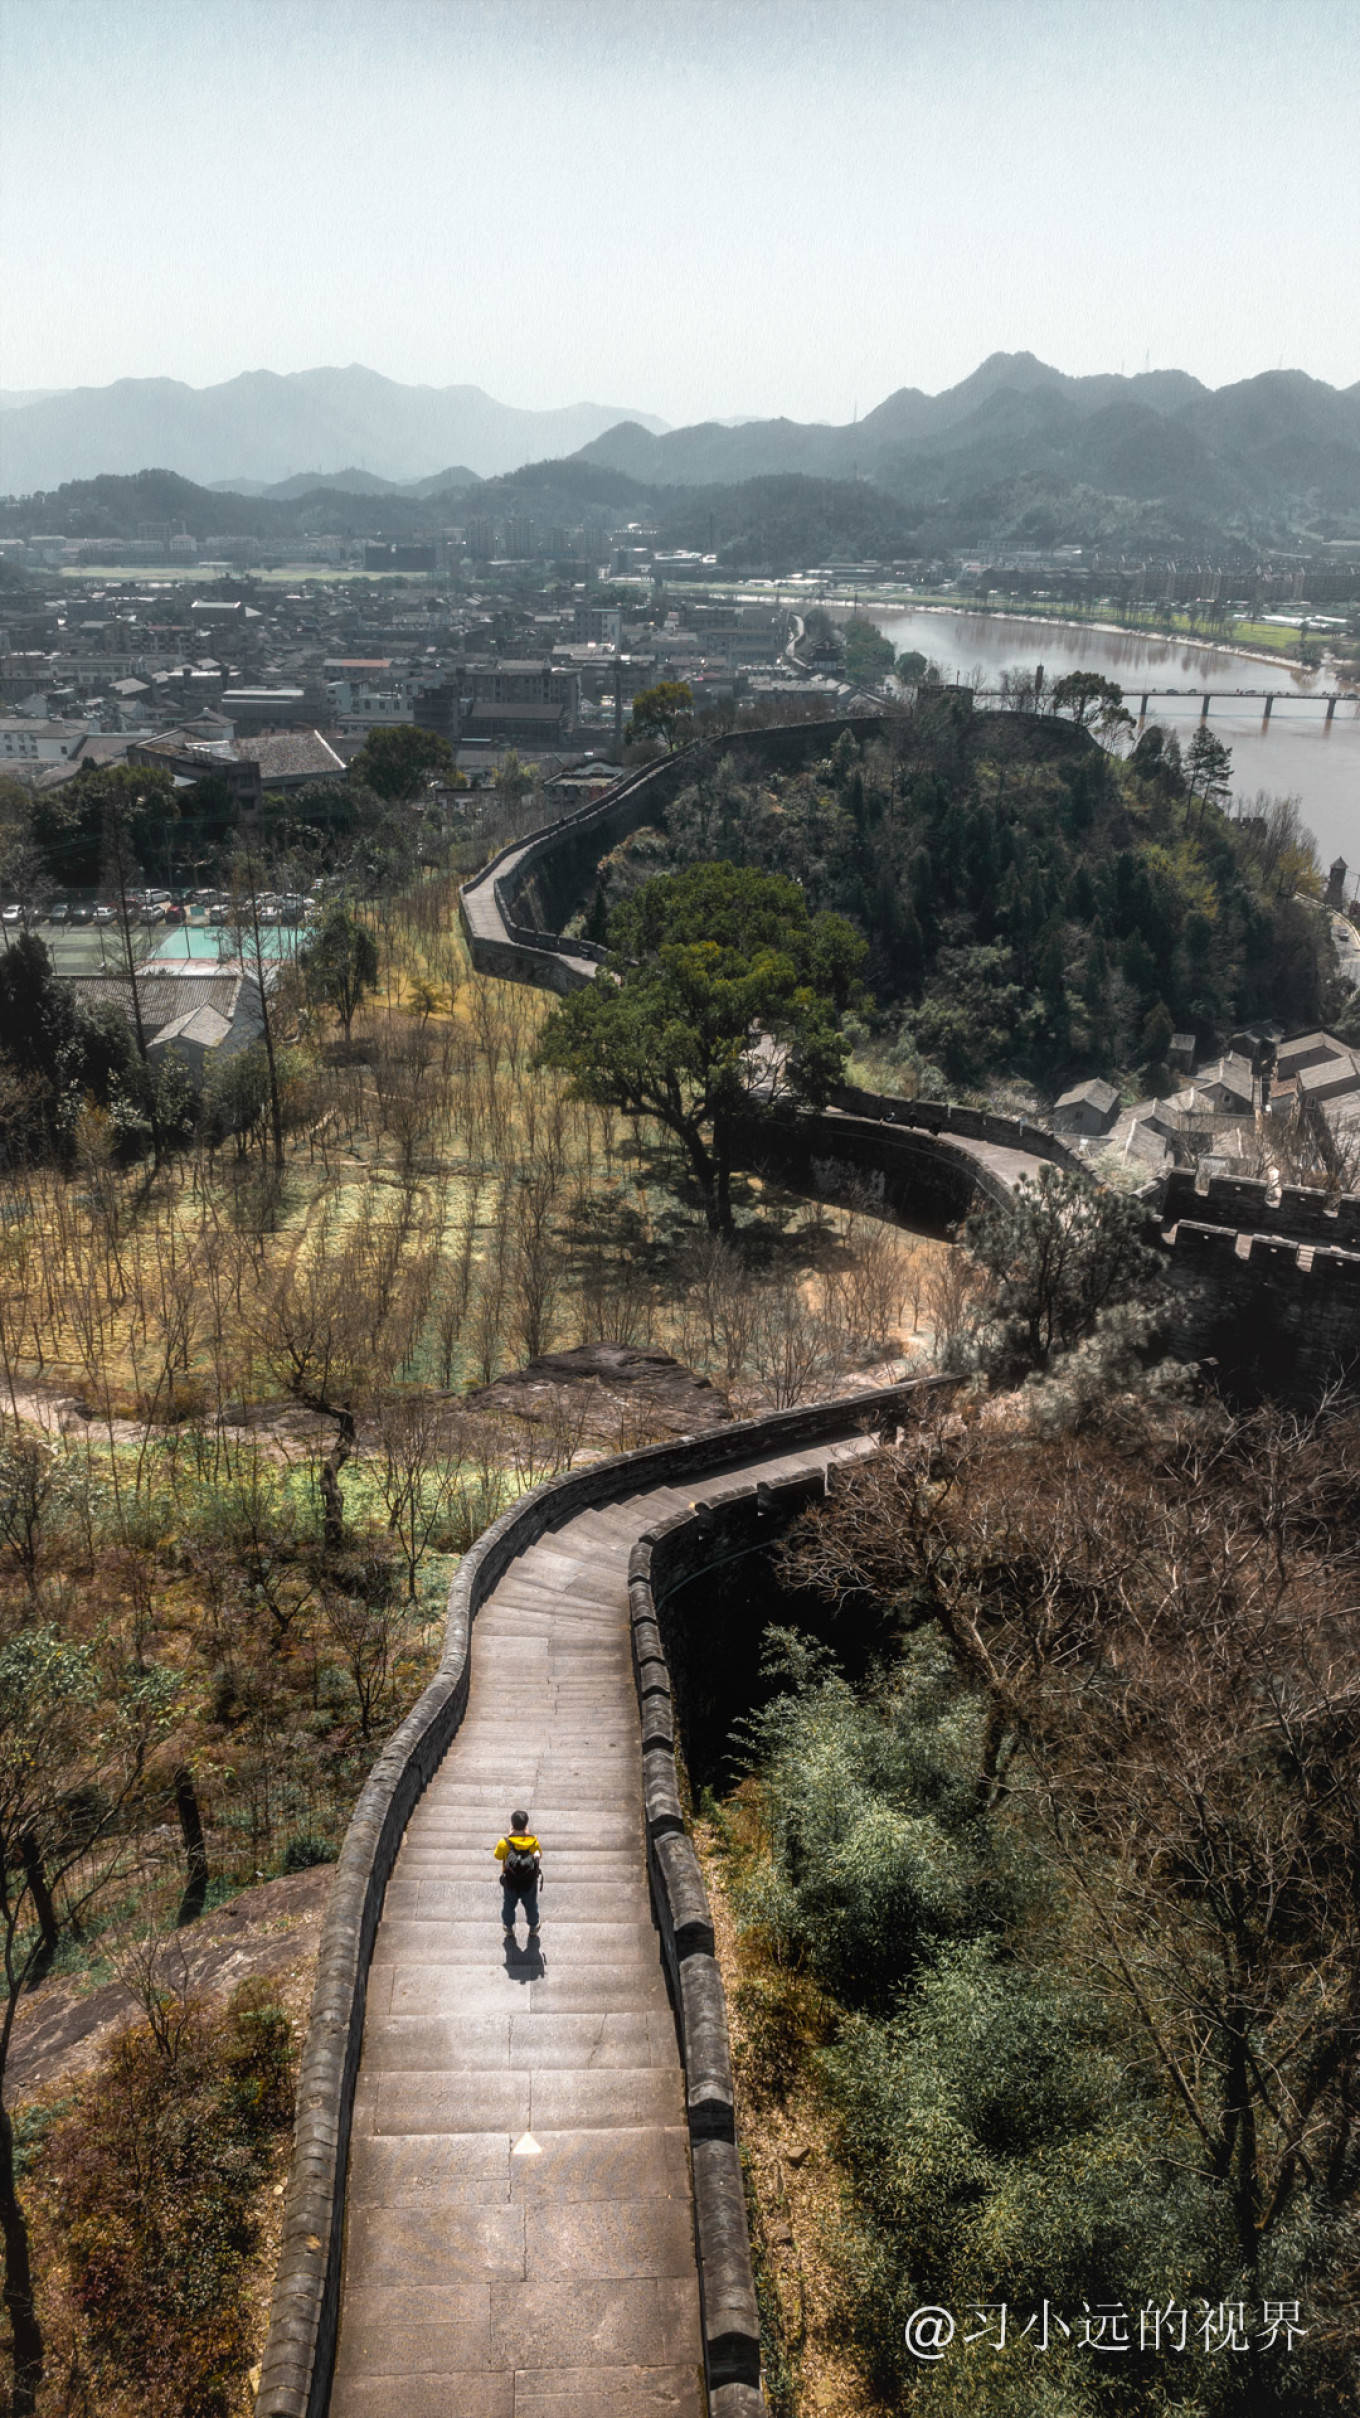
[331,1323]
[794,1351]
[74,1738]
[418,1463]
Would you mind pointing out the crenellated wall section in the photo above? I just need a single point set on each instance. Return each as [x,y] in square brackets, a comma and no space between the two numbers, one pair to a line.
[1265,1282]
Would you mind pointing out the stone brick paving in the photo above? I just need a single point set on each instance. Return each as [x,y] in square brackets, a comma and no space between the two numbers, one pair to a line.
[520,2229]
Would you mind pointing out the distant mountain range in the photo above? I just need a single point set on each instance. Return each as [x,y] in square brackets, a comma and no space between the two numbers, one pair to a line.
[1017,454]
[1018,438]
[259,429]
[112,507]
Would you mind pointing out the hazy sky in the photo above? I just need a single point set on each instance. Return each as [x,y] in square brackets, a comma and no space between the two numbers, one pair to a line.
[695,207]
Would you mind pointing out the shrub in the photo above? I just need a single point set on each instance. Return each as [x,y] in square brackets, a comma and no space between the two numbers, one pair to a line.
[155,2171]
[305,1850]
[877,1852]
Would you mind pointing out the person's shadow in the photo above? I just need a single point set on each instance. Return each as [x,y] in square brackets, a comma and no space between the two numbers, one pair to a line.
[524,1959]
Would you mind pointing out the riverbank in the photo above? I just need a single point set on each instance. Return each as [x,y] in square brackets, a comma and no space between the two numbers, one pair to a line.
[1297,751]
[970,611]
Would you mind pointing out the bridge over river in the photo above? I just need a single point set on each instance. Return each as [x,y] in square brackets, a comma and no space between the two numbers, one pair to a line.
[516,2190]
[1266,698]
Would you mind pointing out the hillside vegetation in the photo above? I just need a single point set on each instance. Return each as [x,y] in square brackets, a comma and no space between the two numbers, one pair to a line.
[1034,905]
[1042,1886]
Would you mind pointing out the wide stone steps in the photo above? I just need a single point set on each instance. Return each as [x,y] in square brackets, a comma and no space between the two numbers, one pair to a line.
[519,2215]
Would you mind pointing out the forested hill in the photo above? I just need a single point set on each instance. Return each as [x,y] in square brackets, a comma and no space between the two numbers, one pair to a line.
[1019,451]
[778,524]
[117,507]
[1033,905]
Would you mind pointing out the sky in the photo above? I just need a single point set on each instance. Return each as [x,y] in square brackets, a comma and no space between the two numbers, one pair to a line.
[698,208]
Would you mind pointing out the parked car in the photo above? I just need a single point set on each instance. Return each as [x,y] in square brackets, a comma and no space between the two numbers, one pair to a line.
[80,914]
[219,913]
[11,915]
[152,914]
[59,910]
[104,914]
[173,914]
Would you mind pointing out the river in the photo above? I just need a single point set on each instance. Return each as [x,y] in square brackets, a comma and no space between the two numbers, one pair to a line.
[1295,754]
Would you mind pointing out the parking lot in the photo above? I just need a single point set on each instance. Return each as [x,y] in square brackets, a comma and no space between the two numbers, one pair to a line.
[85,947]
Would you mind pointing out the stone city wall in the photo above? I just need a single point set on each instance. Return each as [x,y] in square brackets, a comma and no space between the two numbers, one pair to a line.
[968,1124]
[1247,1203]
[1275,1315]
[299,2355]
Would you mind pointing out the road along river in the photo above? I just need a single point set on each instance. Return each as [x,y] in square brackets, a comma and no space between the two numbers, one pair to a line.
[1296,754]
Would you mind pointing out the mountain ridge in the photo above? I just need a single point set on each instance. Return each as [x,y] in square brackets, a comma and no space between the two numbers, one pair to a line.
[261,425]
[1017,453]
[1259,453]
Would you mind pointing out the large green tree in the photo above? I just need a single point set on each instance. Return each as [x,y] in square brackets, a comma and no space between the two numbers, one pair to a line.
[1208,765]
[868,654]
[663,712]
[720,999]
[1060,1251]
[111,819]
[397,760]
[1090,697]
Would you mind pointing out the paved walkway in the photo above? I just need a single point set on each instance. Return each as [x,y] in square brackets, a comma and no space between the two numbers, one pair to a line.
[520,2228]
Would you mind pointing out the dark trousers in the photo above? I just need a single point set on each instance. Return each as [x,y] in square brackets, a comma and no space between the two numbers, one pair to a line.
[513,1895]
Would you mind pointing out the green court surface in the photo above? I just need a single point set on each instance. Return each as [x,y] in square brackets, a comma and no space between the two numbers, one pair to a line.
[83,949]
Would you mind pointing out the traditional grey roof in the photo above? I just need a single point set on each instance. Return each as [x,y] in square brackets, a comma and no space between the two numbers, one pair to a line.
[1304,1050]
[38,726]
[164,997]
[292,753]
[1095,1094]
[203,1027]
[1328,1081]
[1138,1136]
[1230,1074]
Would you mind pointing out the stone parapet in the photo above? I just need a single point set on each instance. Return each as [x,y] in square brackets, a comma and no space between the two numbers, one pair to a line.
[299,2354]
[946,1118]
[1302,1211]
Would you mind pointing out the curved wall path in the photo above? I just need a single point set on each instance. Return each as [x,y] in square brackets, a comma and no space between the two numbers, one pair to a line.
[520,2238]
[432,2258]
[504,939]
[491,2207]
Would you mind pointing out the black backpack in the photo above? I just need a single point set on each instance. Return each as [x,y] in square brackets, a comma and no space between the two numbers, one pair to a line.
[520,1866]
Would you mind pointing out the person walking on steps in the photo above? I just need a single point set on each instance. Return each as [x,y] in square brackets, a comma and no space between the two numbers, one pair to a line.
[521,1862]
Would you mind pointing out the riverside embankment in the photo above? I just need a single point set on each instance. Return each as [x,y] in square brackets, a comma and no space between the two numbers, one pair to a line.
[1296,754]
